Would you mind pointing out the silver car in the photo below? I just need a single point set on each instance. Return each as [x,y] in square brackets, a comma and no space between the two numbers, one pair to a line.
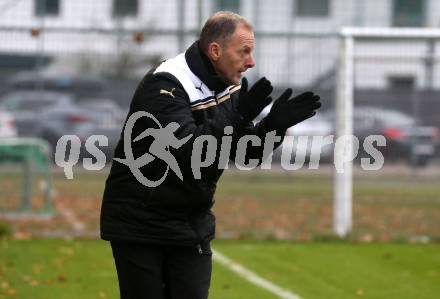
[28,108]
[7,125]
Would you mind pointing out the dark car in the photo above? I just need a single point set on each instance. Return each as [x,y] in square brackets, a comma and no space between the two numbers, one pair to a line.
[82,123]
[50,115]
[109,111]
[405,139]
[28,108]
[80,86]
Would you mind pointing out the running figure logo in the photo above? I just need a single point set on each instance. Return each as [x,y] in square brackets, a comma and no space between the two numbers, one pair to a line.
[170,92]
[159,148]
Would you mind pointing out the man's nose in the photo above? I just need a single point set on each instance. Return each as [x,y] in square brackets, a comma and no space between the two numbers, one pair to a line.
[250,63]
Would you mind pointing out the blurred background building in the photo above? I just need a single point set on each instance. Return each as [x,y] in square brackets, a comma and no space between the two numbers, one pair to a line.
[296,38]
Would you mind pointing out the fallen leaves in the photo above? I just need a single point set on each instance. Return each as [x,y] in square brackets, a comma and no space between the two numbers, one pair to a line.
[7,289]
[69,251]
[4,285]
[30,280]
[37,268]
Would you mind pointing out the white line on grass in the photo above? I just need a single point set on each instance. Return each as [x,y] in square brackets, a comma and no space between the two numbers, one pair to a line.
[71,218]
[252,277]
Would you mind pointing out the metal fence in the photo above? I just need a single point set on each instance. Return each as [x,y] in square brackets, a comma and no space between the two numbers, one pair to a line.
[296,43]
[97,51]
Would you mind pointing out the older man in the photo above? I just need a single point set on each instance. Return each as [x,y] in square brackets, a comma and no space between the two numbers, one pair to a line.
[160,235]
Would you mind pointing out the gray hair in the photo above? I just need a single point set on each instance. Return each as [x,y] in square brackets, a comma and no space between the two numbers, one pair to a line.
[220,27]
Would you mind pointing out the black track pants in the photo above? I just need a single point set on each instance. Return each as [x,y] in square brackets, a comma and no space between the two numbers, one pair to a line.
[148,271]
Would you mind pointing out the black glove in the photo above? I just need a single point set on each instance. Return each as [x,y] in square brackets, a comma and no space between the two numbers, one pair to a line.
[287,112]
[252,102]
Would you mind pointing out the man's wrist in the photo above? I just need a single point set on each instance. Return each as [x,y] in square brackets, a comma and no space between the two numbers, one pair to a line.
[268,127]
[236,119]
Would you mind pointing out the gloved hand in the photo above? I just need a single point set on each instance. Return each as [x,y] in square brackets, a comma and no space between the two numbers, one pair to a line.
[287,112]
[252,102]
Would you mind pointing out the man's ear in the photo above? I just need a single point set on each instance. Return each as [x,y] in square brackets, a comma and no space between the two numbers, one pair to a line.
[214,51]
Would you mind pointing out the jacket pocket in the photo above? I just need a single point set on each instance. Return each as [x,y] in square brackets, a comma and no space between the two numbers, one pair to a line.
[203,224]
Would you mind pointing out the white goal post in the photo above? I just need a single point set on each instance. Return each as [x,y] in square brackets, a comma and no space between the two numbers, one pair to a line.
[343,181]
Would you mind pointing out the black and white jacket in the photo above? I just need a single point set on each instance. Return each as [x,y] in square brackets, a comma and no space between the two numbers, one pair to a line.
[186,90]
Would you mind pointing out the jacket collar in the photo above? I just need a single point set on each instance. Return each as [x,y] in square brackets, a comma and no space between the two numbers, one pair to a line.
[200,65]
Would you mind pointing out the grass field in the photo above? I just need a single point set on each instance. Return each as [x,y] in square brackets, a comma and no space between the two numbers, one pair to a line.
[281,205]
[84,269]
[250,206]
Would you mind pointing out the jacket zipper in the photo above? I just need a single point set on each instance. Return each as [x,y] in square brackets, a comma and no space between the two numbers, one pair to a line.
[199,248]
[199,239]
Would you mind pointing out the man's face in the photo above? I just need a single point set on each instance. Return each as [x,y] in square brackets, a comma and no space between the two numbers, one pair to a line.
[235,57]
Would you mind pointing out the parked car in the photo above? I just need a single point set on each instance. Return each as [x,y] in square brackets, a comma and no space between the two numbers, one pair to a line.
[406,140]
[7,125]
[109,111]
[28,108]
[84,120]
[50,115]
[79,85]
